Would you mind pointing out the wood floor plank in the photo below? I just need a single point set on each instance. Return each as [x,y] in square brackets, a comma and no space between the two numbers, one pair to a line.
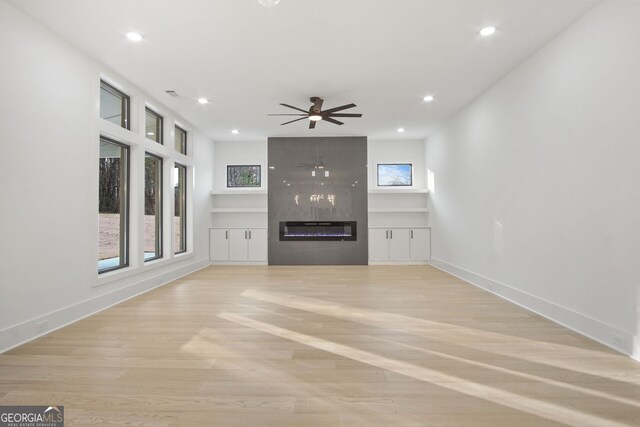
[322,346]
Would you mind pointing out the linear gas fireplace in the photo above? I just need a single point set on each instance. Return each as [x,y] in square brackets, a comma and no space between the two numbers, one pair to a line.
[320,231]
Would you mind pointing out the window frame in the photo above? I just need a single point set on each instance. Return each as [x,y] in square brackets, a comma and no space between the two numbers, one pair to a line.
[259,184]
[125,105]
[393,164]
[124,210]
[159,128]
[183,149]
[182,169]
[159,208]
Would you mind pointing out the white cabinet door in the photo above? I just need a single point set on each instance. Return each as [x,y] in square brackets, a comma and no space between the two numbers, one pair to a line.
[420,244]
[258,244]
[399,244]
[218,244]
[238,245]
[378,244]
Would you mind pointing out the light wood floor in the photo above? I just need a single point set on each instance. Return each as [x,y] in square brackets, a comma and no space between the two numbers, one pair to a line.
[322,346]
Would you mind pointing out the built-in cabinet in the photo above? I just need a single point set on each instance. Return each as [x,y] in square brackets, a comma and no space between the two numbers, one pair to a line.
[238,230]
[238,244]
[399,244]
[398,226]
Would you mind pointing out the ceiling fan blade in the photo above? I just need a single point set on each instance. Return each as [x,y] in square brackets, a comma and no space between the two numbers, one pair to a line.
[345,115]
[287,114]
[340,108]
[286,123]
[312,124]
[295,108]
[330,120]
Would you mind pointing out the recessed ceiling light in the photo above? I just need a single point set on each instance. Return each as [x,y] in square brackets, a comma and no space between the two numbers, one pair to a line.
[315,117]
[400,130]
[429,98]
[269,3]
[203,101]
[487,31]
[235,131]
[134,37]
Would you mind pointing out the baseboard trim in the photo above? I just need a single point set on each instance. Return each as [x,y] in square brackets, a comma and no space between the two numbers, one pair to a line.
[24,332]
[577,322]
[398,262]
[238,262]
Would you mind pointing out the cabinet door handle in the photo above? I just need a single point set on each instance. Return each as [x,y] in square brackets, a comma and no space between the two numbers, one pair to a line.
[387,235]
[249,234]
[245,234]
[391,233]
[226,234]
[412,234]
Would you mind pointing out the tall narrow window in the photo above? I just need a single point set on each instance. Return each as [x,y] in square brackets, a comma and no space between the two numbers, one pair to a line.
[181,140]
[152,207]
[113,209]
[180,209]
[153,125]
[114,105]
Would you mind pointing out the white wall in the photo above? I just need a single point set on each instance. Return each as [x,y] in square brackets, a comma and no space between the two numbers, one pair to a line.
[536,182]
[239,153]
[397,152]
[49,129]
[255,152]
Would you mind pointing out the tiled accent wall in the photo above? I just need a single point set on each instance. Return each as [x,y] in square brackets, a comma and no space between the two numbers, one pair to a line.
[337,192]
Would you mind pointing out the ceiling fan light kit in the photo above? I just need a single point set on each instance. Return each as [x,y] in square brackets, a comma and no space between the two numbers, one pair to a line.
[316,114]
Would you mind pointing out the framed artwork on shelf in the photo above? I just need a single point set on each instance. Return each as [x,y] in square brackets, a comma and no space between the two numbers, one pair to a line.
[395,175]
[243,176]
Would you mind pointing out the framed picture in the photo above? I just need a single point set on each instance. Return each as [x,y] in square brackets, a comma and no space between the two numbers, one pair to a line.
[395,175]
[243,176]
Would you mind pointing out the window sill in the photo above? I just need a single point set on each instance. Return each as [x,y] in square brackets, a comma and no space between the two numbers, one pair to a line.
[113,276]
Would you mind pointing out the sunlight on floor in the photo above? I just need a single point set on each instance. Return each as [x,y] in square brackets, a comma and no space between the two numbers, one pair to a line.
[485,392]
[425,328]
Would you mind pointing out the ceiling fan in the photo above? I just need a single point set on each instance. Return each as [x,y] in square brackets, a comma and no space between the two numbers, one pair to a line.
[315,113]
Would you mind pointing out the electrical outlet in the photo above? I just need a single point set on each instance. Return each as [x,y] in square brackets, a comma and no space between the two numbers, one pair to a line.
[618,340]
[42,325]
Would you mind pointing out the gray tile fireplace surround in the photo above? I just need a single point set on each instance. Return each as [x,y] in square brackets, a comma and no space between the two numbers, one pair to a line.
[316,184]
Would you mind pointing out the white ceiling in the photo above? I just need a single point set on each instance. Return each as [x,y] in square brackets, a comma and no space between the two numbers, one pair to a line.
[383,55]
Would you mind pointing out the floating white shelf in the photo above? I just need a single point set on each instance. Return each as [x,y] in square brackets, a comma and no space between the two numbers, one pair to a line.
[245,192]
[397,190]
[239,210]
[397,210]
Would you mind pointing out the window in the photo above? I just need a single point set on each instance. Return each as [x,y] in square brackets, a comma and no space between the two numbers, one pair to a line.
[243,176]
[152,207]
[114,105]
[153,125]
[113,209]
[181,140]
[395,174]
[180,209]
